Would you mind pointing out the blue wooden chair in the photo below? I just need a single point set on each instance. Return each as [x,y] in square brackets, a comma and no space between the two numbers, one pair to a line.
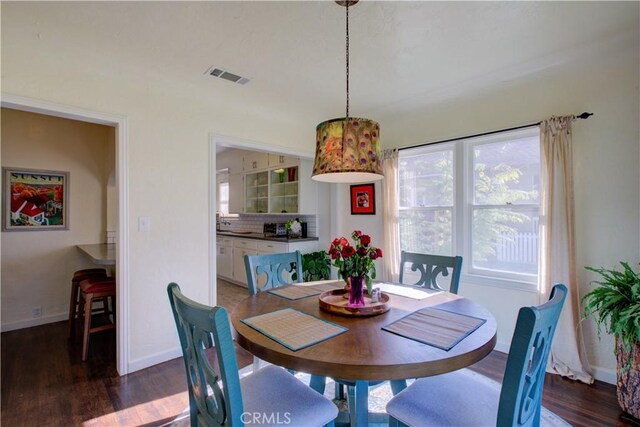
[430,266]
[465,398]
[268,397]
[273,266]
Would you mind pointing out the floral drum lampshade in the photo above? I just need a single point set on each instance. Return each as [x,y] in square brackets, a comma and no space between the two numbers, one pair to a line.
[348,150]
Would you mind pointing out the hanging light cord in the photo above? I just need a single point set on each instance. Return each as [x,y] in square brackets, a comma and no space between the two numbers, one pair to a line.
[347,54]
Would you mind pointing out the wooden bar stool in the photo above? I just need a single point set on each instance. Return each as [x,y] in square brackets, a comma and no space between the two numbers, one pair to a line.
[79,276]
[90,290]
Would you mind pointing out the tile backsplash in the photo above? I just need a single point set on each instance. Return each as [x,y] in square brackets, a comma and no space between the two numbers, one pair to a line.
[254,222]
[110,236]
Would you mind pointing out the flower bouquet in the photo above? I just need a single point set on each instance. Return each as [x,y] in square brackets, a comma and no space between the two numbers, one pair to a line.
[355,263]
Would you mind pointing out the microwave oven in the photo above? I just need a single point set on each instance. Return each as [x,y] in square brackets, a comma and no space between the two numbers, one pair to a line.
[274,229]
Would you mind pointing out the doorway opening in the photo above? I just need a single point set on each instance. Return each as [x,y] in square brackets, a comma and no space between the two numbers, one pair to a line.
[119,123]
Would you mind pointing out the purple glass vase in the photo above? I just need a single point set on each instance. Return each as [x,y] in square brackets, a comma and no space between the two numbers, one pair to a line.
[356,291]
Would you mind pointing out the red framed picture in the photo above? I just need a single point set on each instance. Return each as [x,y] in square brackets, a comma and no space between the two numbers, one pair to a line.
[363,199]
[35,200]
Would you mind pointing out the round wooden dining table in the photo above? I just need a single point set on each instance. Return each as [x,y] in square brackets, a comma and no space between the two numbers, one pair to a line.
[366,352]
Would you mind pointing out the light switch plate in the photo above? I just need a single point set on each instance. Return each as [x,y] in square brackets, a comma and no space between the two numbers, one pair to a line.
[144,223]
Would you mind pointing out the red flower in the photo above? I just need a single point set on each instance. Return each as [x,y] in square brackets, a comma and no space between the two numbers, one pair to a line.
[362,251]
[365,239]
[348,251]
[379,252]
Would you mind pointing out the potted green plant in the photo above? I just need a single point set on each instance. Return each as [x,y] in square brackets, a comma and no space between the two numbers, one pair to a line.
[615,304]
[315,266]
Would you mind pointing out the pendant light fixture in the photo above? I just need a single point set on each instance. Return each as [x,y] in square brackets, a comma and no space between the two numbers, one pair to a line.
[347,148]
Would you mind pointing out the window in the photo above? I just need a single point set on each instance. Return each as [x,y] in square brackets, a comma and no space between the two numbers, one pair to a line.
[476,197]
[222,180]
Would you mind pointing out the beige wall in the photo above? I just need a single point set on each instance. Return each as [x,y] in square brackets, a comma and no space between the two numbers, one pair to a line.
[37,265]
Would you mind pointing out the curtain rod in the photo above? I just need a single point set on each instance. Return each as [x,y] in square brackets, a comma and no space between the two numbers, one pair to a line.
[583,116]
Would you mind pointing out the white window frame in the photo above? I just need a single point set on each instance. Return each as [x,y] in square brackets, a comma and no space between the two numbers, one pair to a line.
[463,207]
[456,179]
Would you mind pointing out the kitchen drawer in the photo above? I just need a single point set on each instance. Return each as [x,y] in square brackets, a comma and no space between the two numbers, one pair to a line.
[272,247]
[245,244]
[224,241]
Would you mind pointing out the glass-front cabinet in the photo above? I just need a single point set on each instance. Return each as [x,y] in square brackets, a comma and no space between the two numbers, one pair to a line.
[257,192]
[283,195]
[280,189]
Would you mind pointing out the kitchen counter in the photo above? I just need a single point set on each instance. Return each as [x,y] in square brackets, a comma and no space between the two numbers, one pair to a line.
[261,236]
[101,253]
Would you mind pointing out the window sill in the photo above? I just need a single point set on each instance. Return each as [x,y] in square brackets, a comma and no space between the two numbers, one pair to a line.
[474,279]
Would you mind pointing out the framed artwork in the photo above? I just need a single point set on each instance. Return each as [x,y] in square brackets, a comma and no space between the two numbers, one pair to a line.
[34,200]
[363,199]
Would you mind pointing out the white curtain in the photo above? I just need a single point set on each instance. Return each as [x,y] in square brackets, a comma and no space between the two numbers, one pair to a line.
[557,246]
[391,231]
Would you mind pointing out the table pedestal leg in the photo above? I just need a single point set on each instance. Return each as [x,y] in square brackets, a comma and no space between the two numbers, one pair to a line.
[358,398]
[397,386]
[318,383]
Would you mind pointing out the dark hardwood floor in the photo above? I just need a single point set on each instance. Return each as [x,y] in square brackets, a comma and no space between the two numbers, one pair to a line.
[44,383]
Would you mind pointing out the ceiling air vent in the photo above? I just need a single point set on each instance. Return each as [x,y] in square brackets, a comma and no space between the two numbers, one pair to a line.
[217,72]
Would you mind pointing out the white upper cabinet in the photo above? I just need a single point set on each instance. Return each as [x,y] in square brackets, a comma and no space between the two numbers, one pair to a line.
[255,160]
[276,160]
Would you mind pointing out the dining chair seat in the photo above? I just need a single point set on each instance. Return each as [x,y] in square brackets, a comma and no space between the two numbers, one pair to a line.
[273,390]
[465,398]
[453,399]
[268,397]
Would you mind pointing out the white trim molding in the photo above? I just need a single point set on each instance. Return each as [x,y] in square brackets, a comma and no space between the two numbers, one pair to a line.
[119,122]
[29,323]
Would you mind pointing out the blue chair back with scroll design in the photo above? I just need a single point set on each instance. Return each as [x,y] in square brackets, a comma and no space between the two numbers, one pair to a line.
[430,266]
[273,266]
[437,400]
[521,394]
[209,405]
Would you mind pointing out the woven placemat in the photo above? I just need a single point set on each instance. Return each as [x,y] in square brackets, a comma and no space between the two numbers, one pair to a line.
[302,290]
[294,329]
[293,292]
[435,327]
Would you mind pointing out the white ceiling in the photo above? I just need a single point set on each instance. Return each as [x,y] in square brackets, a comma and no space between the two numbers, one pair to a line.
[403,54]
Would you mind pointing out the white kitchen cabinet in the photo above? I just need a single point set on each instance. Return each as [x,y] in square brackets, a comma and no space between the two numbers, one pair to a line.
[242,247]
[224,257]
[230,260]
[281,160]
[256,192]
[236,187]
[255,160]
[283,190]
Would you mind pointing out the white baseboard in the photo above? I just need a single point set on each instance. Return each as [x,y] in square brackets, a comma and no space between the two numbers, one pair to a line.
[21,324]
[605,375]
[154,359]
[502,347]
[601,374]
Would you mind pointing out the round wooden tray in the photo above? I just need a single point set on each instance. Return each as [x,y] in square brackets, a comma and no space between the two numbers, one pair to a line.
[334,301]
